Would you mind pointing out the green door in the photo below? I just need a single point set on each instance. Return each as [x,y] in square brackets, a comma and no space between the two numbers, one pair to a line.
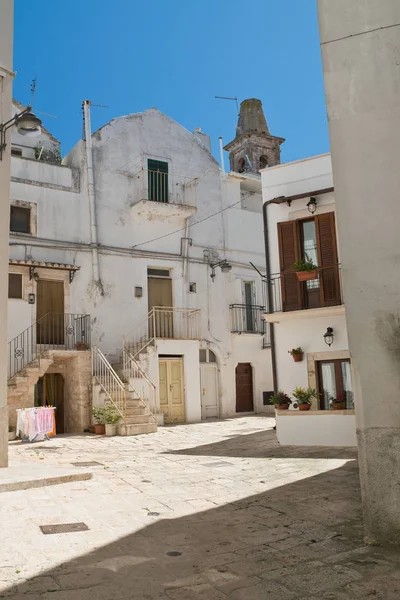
[157,171]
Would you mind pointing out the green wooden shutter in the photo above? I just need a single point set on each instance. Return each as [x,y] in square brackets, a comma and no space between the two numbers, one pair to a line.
[157,171]
[328,259]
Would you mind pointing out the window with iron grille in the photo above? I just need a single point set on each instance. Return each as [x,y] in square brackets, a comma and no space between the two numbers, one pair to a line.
[157,171]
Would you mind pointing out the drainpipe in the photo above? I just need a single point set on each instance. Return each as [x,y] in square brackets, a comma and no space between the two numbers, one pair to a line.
[270,299]
[91,193]
[221,151]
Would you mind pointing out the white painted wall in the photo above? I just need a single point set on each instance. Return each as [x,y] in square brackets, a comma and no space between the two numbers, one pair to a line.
[319,428]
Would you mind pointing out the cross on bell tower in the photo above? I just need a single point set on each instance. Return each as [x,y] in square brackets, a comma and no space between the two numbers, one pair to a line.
[253,148]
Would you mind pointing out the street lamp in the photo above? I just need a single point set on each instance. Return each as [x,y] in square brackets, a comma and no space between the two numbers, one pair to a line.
[328,336]
[224,266]
[27,124]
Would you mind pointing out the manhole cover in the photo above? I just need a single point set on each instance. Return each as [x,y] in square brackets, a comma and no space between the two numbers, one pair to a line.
[153,514]
[174,553]
[63,528]
[92,463]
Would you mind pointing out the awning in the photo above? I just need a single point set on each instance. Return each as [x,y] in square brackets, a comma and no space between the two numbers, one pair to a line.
[36,264]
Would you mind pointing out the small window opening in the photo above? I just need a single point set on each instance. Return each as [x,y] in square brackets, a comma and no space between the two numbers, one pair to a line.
[192,288]
[158,272]
[20,219]
[263,162]
[241,165]
[16,151]
[14,285]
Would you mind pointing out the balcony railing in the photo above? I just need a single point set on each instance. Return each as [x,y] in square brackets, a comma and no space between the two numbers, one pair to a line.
[289,294]
[51,332]
[166,188]
[247,318]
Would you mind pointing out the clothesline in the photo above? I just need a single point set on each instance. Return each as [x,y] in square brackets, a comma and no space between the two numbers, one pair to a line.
[36,423]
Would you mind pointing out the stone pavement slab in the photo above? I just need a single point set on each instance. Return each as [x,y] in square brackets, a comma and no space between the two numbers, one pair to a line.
[25,476]
[207,511]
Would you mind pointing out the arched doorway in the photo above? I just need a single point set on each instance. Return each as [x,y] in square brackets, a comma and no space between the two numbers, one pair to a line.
[244,388]
[49,391]
[209,384]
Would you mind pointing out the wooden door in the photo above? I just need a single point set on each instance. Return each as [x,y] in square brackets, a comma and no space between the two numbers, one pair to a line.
[244,388]
[209,391]
[50,312]
[171,390]
[161,324]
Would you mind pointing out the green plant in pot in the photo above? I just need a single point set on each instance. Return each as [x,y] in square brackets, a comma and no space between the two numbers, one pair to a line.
[297,354]
[337,403]
[305,269]
[99,417]
[304,397]
[281,401]
[112,418]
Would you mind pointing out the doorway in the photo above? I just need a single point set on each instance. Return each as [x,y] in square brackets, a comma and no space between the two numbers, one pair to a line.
[49,391]
[171,390]
[244,388]
[209,384]
[50,312]
[161,325]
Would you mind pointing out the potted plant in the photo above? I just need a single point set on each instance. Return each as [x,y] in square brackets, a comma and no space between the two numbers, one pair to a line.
[304,397]
[81,346]
[305,269]
[99,417]
[281,401]
[337,403]
[297,354]
[11,433]
[112,417]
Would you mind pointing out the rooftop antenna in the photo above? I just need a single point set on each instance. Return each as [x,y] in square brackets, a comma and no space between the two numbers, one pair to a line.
[228,98]
[88,104]
[33,89]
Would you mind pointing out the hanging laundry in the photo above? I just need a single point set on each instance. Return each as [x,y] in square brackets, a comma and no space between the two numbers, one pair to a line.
[35,423]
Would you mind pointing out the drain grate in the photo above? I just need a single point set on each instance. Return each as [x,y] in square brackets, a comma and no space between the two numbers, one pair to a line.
[92,463]
[174,553]
[47,448]
[63,528]
[222,463]
[153,514]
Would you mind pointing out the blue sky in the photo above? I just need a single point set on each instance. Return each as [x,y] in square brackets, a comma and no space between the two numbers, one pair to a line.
[175,55]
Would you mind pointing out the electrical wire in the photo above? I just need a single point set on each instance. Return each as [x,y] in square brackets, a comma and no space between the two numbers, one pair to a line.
[195,223]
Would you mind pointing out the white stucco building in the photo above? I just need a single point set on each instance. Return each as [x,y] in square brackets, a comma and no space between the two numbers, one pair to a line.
[299,205]
[130,229]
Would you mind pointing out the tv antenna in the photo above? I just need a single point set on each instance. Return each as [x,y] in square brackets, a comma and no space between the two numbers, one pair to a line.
[229,98]
[33,89]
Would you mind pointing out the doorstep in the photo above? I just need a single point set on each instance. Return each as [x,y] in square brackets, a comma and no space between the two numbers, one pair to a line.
[25,476]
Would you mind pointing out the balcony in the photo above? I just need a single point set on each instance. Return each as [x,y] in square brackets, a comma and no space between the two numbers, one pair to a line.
[247,318]
[290,295]
[161,195]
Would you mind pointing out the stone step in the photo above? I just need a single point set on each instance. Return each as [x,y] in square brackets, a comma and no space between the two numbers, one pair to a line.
[141,410]
[136,419]
[137,429]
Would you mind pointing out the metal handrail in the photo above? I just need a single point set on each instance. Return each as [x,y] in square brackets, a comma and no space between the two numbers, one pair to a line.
[142,386]
[109,381]
[247,318]
[53,331]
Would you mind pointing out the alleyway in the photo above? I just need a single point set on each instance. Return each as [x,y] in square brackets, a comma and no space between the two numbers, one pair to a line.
[208,512]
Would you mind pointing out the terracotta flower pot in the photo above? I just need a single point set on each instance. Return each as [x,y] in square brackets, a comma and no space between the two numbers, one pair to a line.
[306,275]
[282,406]
[298,357]
[100,429]
[304,406]
[339,406]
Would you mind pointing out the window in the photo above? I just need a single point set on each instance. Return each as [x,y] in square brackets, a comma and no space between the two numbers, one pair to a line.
[20,219]
[14,285]
[334,381]
[316,239]
[157,171]
[263,162]
[158,272]
[16,151]
[249,302]
[192,288]
[207,356]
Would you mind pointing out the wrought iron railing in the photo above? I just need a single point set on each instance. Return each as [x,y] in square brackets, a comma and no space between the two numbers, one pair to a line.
[164,323]
[247,318]
[140,382]
[109,381]
[289,294]
[166,188]
[51,332]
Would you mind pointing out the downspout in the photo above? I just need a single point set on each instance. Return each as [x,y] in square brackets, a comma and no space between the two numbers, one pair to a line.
[270,299]
[91,194]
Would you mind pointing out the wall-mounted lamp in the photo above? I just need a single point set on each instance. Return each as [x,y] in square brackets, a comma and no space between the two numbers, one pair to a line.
[36,276]
[328,336]
[312,205]
[27,124]
[224,266]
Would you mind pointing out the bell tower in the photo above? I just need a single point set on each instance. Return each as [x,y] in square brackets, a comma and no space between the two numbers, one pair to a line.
[253,148]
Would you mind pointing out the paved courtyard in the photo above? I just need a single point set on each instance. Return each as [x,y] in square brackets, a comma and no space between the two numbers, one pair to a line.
[208,512]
